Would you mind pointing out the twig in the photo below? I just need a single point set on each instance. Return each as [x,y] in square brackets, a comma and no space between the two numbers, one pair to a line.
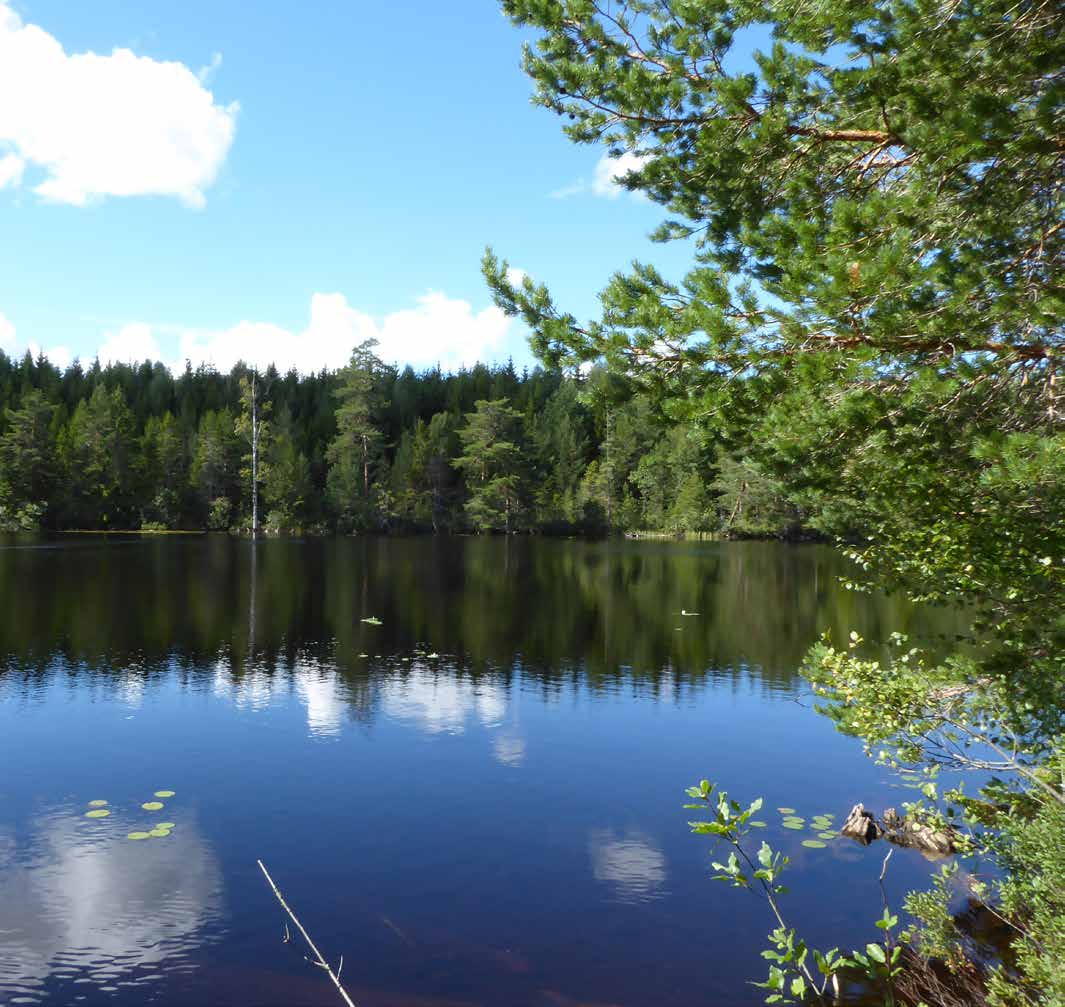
[319,959]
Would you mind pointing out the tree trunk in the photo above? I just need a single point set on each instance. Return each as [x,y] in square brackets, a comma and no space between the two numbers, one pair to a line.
[254,455]
[365,469]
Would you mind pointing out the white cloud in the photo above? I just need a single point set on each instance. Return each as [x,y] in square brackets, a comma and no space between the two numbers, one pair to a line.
[516,277]
[60,356]
[131,344]
[604,180]
[609,169]
[11,168]
[440,329]
[106,125]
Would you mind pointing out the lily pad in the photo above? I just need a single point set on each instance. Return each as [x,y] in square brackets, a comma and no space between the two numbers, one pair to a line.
[164,793]
[165,825]
[756,824]
[786,811]
[372,620]
[158,833]
[826,835]
[97,804]
[814,844]
[152,805]
[795,826]
[98,813]
[139,835]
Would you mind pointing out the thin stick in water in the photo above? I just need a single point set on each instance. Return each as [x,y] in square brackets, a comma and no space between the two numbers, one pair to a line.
[319,959]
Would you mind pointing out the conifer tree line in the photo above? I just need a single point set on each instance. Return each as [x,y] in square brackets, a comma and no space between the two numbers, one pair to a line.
[370,447]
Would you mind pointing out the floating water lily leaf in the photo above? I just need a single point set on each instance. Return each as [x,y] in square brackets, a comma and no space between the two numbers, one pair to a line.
[158,833]
[165,825]
[757,825]
[793,825]
[97,804]
[826,835]
[164,793]
[786,811]
[814,844]
[794,820]
[138,835]
[98,813]
[372,620]
[152,805]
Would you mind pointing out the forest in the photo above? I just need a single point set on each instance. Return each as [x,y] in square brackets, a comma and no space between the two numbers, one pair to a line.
[368,448]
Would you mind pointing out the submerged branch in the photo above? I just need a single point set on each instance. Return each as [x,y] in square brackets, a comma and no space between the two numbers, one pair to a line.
[319,960]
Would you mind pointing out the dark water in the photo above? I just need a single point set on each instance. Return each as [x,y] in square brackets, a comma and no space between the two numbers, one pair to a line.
[476,802]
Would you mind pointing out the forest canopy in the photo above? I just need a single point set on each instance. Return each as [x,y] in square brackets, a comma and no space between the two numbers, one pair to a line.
[367,448]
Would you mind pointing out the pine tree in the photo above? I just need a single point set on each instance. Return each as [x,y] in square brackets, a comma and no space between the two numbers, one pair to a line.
[491,462]
[27,463]
[355,452]
[254,427]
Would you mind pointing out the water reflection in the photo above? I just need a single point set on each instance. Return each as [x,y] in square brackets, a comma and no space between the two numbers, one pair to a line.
[509,749]
[629,863]
[527,714]
[318,687]
[82,905]
[442,700]
[606,612]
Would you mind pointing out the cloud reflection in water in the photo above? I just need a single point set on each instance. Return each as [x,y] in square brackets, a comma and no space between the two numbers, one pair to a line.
[441,701]
[85,903]
[631,864]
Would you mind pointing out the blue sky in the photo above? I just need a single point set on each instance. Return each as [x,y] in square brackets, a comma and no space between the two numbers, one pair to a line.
[273,181]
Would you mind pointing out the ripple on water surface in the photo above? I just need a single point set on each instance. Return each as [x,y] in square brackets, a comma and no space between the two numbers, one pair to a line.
[85,912]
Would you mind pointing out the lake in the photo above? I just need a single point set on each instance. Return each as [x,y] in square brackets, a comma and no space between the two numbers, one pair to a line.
[477,801]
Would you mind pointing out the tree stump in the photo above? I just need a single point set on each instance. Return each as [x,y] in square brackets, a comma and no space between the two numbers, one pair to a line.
[861,825]
[933,843]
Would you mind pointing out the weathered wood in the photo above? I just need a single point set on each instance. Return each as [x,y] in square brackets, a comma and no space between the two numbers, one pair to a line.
[905,831]
[861,825]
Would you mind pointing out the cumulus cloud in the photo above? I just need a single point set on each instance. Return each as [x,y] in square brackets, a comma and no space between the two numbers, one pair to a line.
[60,356]
[130,345]
[105,125]
[439,329]
[610,169]
[11,168]
[604,181]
